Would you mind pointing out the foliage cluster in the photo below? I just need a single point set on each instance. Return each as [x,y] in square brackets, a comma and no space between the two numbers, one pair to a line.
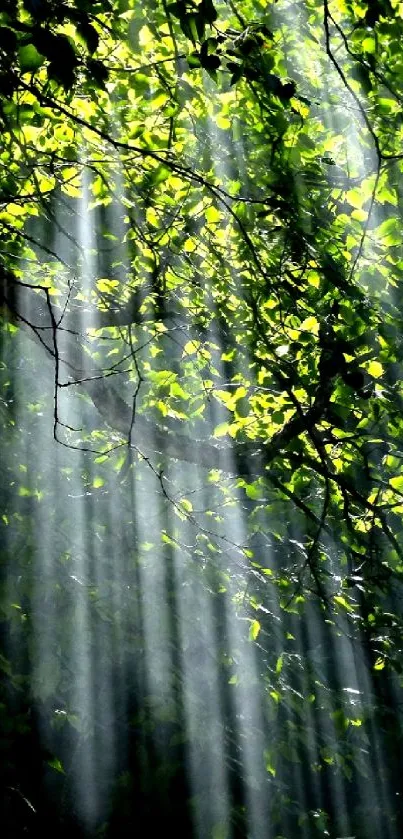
[200,213]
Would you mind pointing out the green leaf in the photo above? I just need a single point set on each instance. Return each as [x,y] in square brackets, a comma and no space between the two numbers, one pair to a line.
[29,58]
[194,60]
[279,665]
[375,369]
[253,491]
[254,630]
[213,215]
[341,601]
[55,763]
[222,429]
[397,483]
[340,720]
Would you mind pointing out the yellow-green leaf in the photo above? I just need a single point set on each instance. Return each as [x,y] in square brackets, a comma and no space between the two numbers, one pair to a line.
[254,630]
[375,369]
[212,215]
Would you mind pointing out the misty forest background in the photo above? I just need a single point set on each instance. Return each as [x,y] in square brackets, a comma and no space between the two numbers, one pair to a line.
[201,411]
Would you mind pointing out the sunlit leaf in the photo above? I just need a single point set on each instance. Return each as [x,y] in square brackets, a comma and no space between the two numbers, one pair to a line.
[254,630]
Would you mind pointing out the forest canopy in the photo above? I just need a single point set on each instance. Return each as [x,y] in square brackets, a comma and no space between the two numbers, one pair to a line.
[201,409]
